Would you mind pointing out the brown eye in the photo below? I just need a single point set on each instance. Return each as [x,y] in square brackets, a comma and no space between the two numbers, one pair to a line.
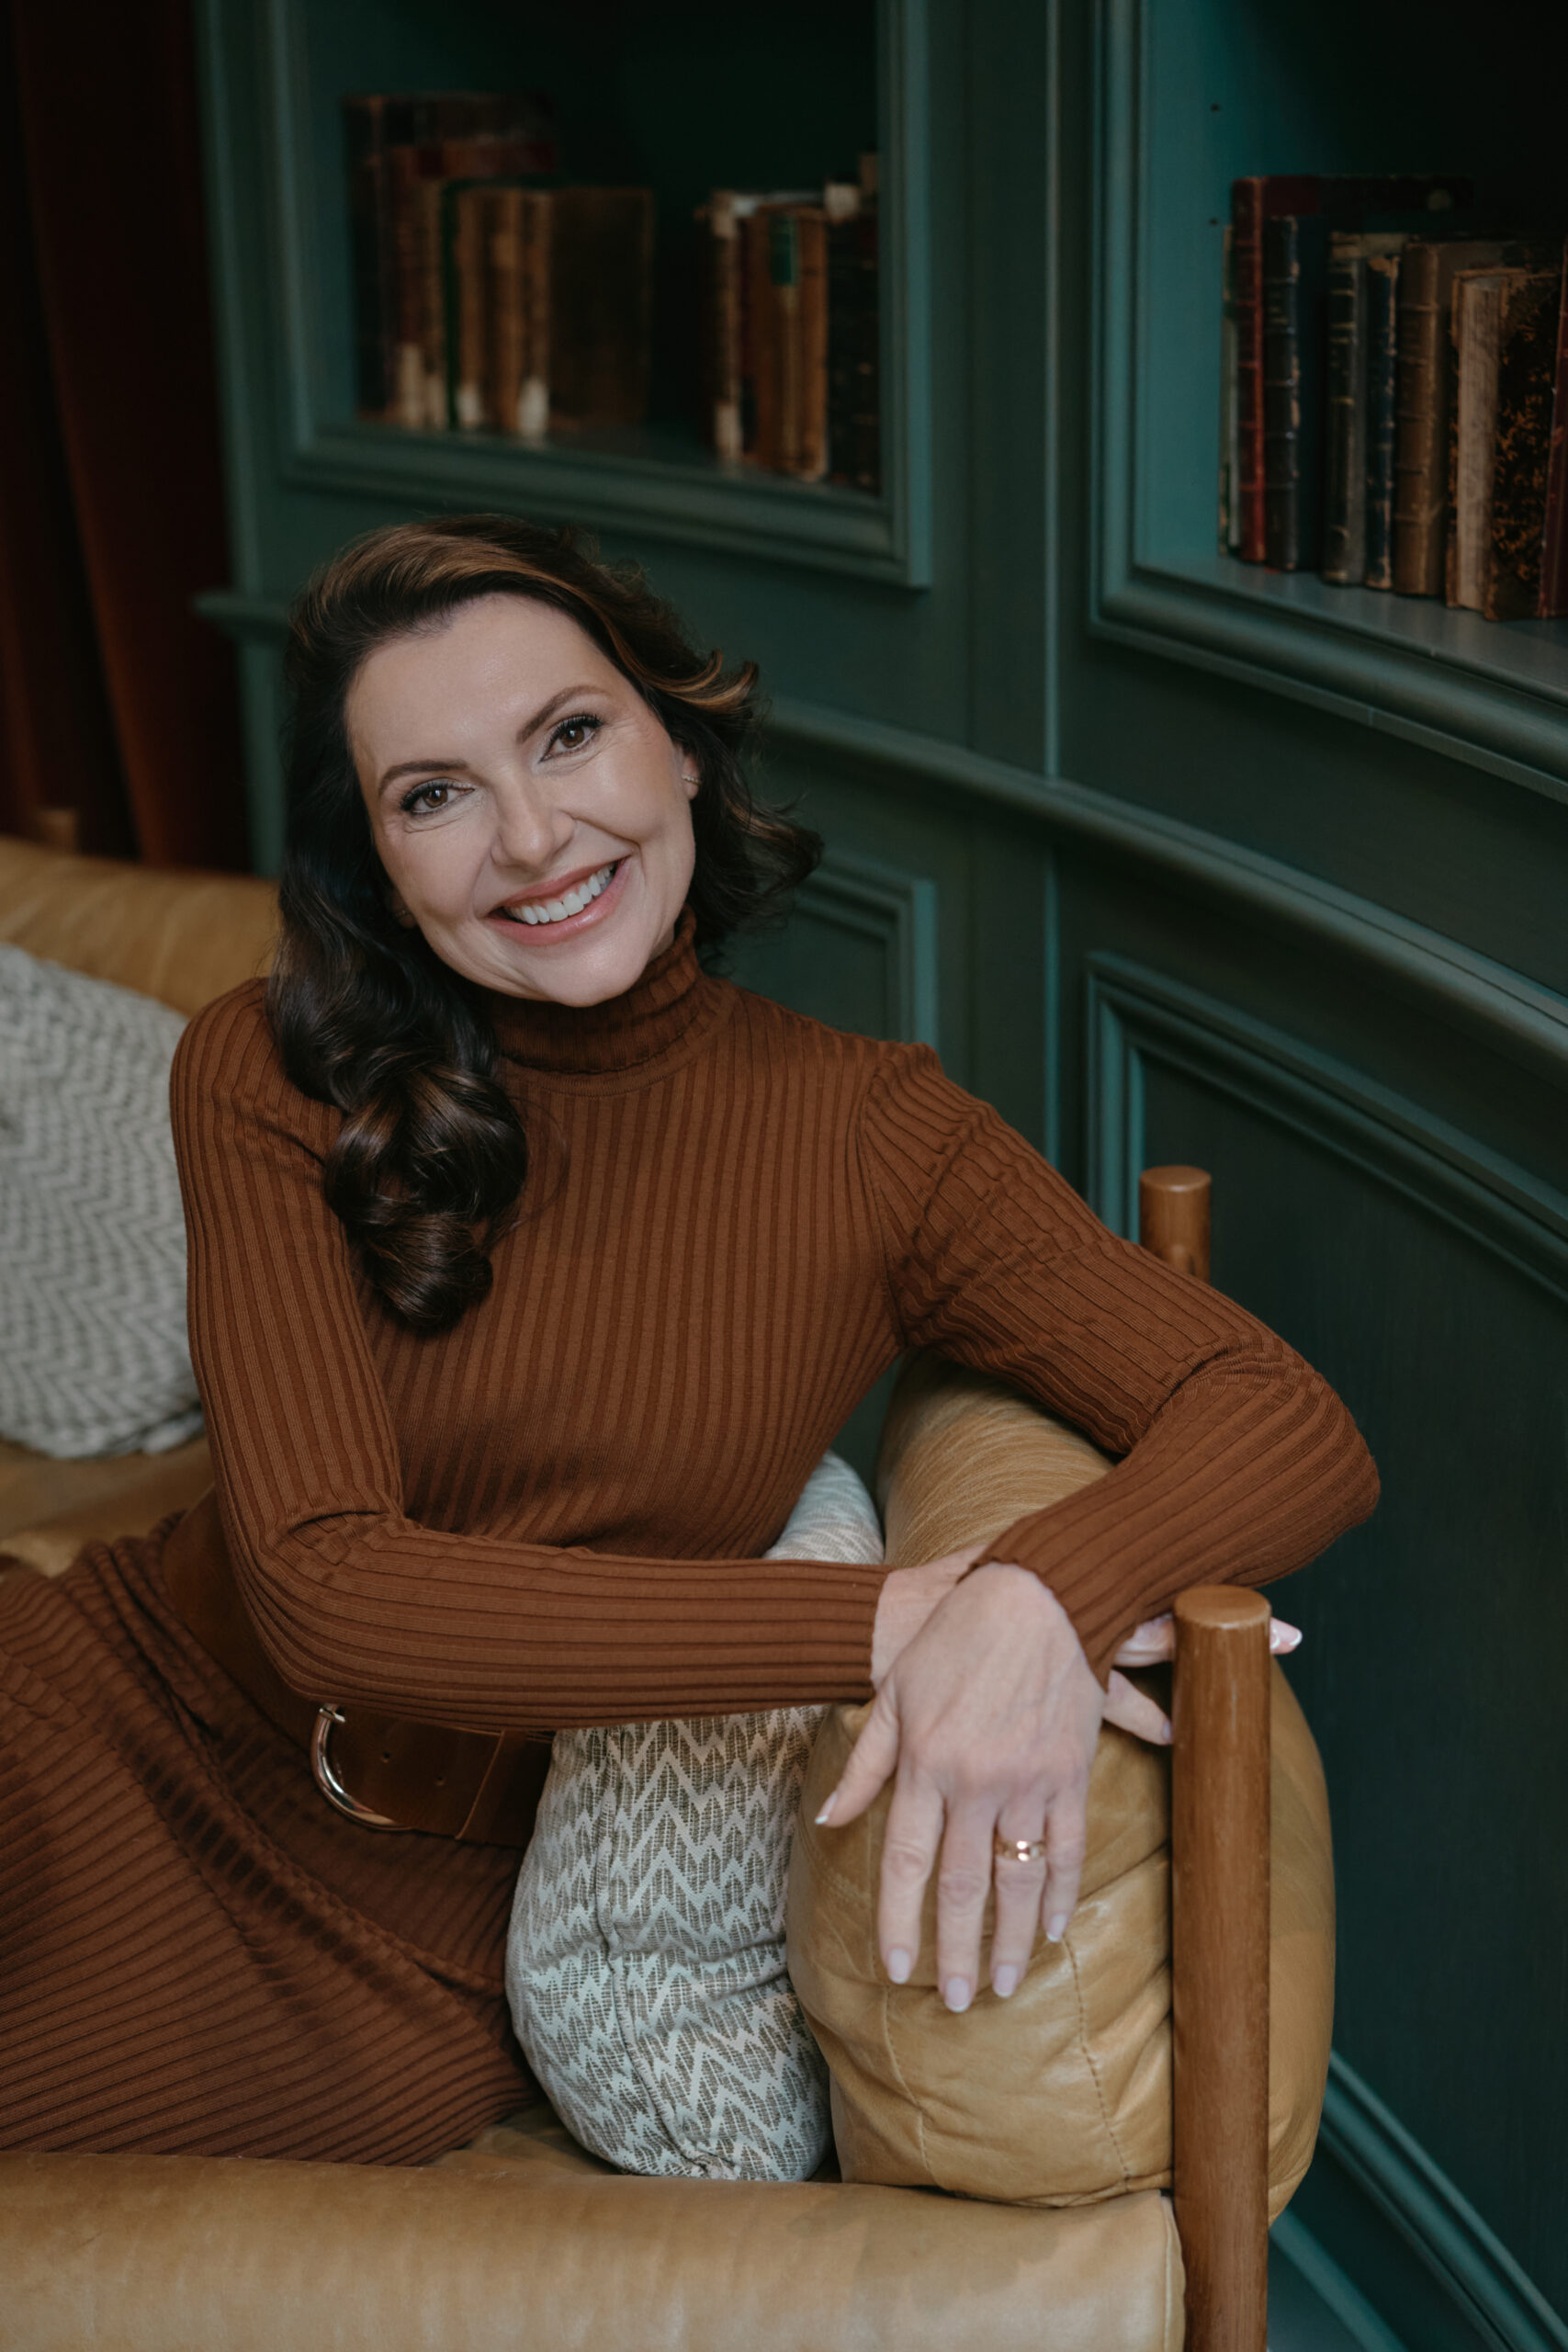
[573,734]
[425,799]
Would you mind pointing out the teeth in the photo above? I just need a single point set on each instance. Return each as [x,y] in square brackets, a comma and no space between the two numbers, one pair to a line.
[538,911]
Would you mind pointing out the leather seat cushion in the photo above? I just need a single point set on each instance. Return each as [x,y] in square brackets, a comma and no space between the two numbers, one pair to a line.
[49,1509]
[1062,2094]
[524,2238]
[184,938]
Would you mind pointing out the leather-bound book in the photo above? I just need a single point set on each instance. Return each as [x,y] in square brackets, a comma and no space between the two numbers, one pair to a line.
[538,233]
[372,125]
[811,426]
[1429,267]
[1382,363]
[1246,270]
[503,306]
[723,215]
[1554,598]
[855,451]
[1341,200]
[762,340]
[1475,331]
[1344,418]
[601,300]
[1295,256]
[1527,372]
[467,265]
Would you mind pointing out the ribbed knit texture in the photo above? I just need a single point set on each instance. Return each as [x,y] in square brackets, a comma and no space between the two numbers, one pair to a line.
[735,1219]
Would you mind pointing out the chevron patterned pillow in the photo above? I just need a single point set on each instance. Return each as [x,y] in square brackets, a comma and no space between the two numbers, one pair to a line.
[646,1962]
[92,1237]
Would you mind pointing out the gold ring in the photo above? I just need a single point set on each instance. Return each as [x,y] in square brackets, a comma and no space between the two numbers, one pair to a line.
[1017,1849]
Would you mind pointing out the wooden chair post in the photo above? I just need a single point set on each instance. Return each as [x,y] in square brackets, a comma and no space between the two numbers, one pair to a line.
[1219,1845]
[1219,1853]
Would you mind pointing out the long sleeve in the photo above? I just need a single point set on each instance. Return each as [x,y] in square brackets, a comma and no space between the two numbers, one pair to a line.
[353,1598]
[1239,1463]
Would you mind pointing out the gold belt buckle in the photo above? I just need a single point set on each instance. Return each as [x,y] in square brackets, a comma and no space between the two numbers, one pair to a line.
[326,1777]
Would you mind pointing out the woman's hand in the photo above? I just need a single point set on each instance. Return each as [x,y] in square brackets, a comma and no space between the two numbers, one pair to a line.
[988,1715]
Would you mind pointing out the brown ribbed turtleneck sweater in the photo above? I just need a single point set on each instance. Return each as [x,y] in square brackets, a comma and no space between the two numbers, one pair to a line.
[735,1219]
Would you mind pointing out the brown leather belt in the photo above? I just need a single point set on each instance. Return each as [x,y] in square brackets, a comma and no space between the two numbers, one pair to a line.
[381,1771]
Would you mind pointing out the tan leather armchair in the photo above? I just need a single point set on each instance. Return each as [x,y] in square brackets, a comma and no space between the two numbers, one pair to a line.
[523,2238]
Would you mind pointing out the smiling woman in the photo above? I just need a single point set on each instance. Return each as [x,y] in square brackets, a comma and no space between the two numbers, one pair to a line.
[533,1267]
[560,808]
[488,723]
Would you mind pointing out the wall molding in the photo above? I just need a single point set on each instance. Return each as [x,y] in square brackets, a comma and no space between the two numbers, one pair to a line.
[1465,689]
[672,496]
[898,912]
[1133,1013]
[1512,1014]
[1465,2256]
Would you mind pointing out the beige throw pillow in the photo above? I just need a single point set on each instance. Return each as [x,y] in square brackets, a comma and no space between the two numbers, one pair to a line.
[1061,2095]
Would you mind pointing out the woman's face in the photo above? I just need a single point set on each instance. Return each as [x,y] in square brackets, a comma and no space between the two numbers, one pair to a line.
[532,815]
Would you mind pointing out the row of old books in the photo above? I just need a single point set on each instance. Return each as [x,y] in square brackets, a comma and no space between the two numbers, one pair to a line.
[1396,393]
[791,337]
[485,296]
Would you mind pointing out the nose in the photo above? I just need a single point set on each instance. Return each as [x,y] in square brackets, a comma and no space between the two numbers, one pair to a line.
[530,831]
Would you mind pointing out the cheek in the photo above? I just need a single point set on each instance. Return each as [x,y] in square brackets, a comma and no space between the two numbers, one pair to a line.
[432,873]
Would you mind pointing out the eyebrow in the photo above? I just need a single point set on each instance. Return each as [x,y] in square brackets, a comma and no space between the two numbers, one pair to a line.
[460,767]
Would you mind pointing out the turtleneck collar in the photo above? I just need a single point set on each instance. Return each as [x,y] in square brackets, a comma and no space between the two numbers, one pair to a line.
[657,1024]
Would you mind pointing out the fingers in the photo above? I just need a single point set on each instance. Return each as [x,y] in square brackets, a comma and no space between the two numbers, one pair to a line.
[1065,1841]
[1133,1710]
[908,1855]
[1153,1641]
[1020,1887]
[963,1886]
[1148,1643]
[872,1759]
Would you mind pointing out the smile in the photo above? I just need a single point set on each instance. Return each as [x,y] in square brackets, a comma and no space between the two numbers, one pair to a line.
[571,902]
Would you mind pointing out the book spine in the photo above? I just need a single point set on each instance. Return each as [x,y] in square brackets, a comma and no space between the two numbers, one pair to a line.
[537,224]
[504,294]
[763,315]
[405,169]
[867,421]
[811,452]
[432,303]
[1292,419]
[1382,359]
[1527,368]
[724,273]
[1476,320]
[1553,597]
[1229,443]
[470,265]
[1344,488]
[1246,263]
[1421,427]
[363,121]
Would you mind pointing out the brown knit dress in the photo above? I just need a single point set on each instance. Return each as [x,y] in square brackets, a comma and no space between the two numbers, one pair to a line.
[735,1219]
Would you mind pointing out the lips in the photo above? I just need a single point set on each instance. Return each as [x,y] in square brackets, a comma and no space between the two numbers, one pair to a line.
[567,905]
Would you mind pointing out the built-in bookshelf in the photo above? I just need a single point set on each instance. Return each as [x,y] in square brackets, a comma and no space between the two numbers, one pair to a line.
[678,99]
[1195,93]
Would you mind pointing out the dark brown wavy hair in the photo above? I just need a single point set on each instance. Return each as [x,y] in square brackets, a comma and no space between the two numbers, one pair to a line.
[431,1157]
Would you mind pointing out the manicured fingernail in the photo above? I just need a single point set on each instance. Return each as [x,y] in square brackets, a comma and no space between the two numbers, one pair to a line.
[899,1965]
[1055,1928]
[1004,1982]
[956,1993]
[1285,1637]
[1165,1731]
[826,1812]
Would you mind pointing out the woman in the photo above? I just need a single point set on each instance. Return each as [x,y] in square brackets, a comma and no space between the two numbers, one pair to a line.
[531,1269]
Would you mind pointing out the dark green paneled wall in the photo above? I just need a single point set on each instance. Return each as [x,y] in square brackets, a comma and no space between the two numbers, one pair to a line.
[1169,870]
